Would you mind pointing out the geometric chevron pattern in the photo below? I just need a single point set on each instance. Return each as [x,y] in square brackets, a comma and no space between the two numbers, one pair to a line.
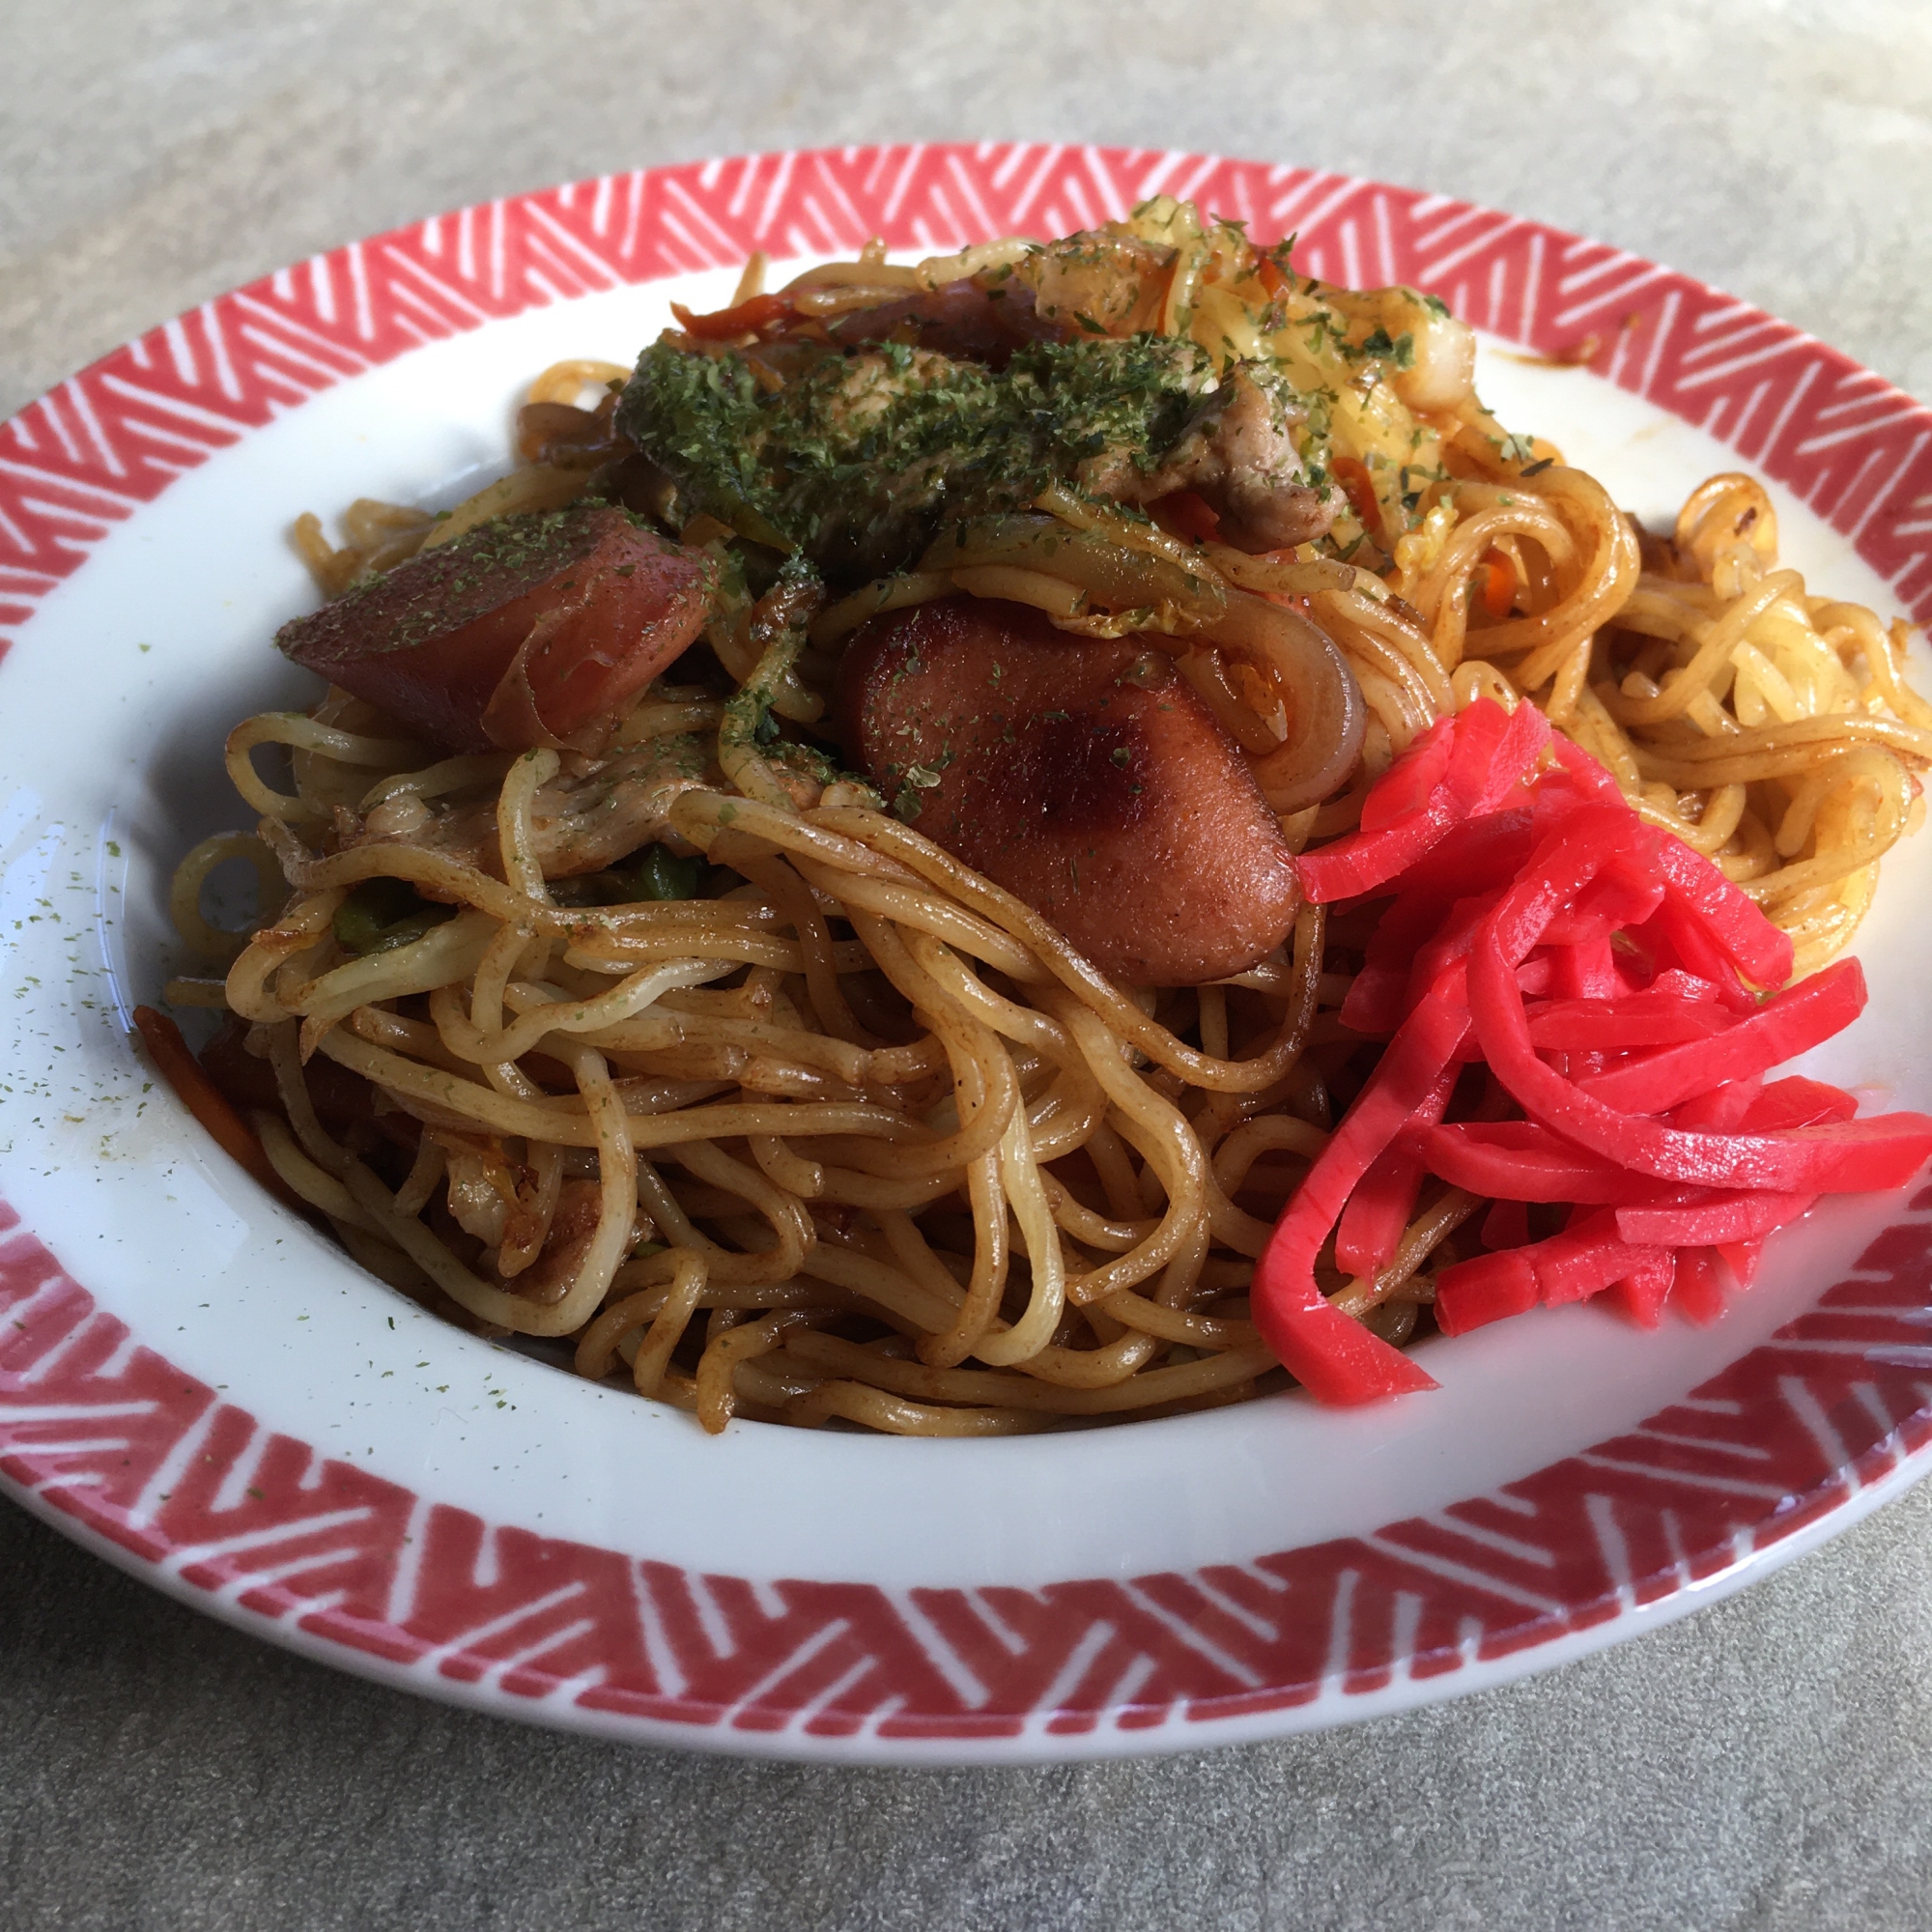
[99,1427]
[1858,451]
[97,1424]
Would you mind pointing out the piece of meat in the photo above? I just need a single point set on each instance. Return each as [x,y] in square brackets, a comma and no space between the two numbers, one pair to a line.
[592,813]
[1098,282]
[1240,459]
[1083,775]
[572,1229]
[961,321]
[861,455]
[527,631]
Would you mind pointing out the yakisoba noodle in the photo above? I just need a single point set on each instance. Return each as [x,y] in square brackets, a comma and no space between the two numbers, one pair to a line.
[858,1134]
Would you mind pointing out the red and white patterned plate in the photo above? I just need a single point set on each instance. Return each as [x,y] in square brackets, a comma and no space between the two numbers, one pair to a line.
[197,1386]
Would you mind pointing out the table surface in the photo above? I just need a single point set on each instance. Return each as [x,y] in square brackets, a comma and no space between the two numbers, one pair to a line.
[1761,1764]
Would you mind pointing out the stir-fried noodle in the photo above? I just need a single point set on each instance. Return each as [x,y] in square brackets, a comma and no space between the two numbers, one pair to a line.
[826,1125]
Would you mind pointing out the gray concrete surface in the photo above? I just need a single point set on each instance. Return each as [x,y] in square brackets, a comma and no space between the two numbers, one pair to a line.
[1763,1764]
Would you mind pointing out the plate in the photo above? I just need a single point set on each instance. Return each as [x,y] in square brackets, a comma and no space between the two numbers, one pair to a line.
[198,1387]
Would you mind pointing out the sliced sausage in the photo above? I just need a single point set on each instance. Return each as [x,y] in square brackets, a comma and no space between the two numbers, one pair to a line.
[527,631]
[1083,775]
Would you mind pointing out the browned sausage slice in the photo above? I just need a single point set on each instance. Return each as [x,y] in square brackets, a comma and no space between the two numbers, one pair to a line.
[1083,775]
[530,630]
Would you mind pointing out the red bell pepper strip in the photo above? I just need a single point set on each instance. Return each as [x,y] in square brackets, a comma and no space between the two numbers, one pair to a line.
[1855,1158]
[1760,950]
[1515,753]
[1698,1291]
[1587,1257]
[1359,861]
[1331,1354]
[1649,1018]
[1796,1020]
[1490,752]
[1407,785]
[1675,934]
[1584,970]
[1724,1108]
[1489,1287]
[1719,1217]
[1521,1160]
[1506,1225]
[1798,1102]
[1741,1258]
[1585,774]
[1640,1297]
[1476,857]
[1623,895]
[1372,1224]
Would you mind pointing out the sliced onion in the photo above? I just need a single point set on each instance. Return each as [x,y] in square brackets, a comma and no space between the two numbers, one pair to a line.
[1282,574]
[1326,713]
[1122,579]
[1325,710]
[1208,673]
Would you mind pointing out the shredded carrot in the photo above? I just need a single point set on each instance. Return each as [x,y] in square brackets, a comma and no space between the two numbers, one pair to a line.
[206,1102]
[1352,475]
[1186,514]
[721,324]
[1495,578]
